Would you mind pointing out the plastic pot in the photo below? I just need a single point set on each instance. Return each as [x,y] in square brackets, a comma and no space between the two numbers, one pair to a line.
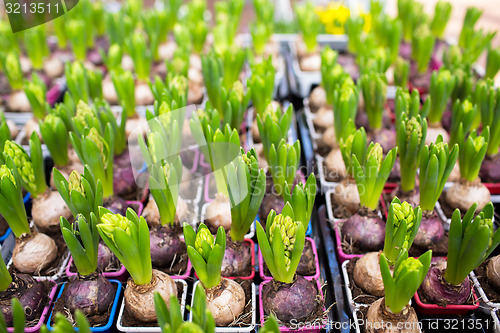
[5,235]
[450,309]
[218,329]
[122,328]
[482,295]
[109,323]
[347,286]
[43,316]
[314,328]
[310,277]
[336,226]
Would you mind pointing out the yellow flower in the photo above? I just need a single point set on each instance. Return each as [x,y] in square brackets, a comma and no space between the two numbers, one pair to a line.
[368,21]
[333,17]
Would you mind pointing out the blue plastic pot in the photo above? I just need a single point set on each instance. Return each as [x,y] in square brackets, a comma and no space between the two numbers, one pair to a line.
[109,324]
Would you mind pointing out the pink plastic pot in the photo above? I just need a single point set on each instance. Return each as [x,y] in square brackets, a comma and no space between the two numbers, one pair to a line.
[494,188]
[306,329]
[44,315]
[53,94]
[340,252]
[389,187]
[315,251]
[450,309]
[338,239]
[252,262]
[120,275]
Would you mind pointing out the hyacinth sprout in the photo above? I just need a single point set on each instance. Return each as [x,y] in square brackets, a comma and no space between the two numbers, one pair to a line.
[282,243]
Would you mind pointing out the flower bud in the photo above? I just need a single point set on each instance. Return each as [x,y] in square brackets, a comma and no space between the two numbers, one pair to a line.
[83,111]
[95,137]
[52,120]
[202,236]
[271,111]
[409,265]
[110,222]
[75,182]
[376,152]
[328,57]
[238,90]
[403,211]
[288,231]
[21,161]
[115,51]
[37,90]
[413,125]
[179,83]
[479,143]
[5,172]
[164,109]
[13,67]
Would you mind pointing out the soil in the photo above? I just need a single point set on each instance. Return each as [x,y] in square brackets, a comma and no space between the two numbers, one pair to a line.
[438,250]
[330,176]
[314,317]
[323,150]
[245,319]
[307,264]
[358,294]
[395,175]
[130,321]
[481,276]
[56,264]
[47,287]
[447,210]
[412,197]
[339,212]
[3,226]
[94,321]
[4,86]
[188,156]
[178,268]
[362,313]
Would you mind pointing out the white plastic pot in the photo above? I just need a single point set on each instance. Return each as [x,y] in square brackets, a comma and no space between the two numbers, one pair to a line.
[122,328]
